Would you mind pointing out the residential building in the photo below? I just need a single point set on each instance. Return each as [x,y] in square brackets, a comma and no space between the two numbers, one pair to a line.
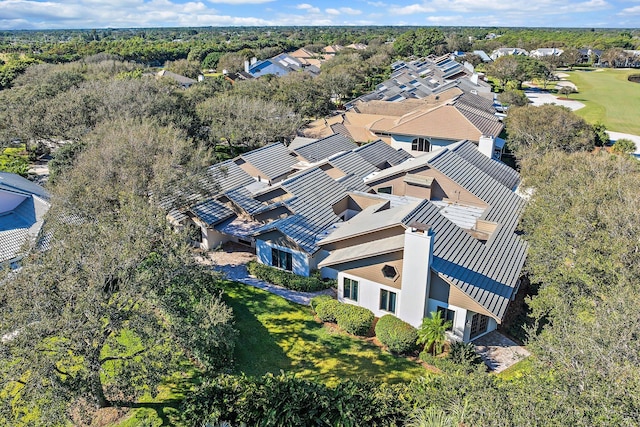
[183,81]
[423,78]
[545,51]
[401,234]
[439,235]
[504,51]
[23,205]
[279,65]
[418,126]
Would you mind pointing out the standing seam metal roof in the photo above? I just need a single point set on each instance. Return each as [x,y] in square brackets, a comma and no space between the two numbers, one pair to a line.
[379,152]
[325,147]
[495,169]
[273,160]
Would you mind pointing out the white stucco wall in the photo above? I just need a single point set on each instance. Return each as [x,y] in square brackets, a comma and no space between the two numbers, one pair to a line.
[211,239]
[459,319]
[299,260]
[368,294]
[416,273]
[404,142]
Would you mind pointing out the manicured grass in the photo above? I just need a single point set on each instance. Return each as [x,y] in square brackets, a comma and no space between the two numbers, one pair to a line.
[279,335]
[609,98]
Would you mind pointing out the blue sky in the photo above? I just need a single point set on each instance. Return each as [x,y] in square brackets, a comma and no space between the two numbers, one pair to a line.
[51,14]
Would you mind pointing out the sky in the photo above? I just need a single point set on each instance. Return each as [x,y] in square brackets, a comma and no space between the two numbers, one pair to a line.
[67,14]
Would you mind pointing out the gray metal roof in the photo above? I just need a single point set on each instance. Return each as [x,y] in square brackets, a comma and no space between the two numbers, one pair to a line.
[488,273]
[212,212]
[244,200]
[325,147]
[379,154]
[23,216]
[273,160]
[505,206]
[315,193]
[356,168]
[226,176]
[16,183]
[494,168]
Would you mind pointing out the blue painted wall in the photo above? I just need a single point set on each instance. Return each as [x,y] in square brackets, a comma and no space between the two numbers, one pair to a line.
[300,260]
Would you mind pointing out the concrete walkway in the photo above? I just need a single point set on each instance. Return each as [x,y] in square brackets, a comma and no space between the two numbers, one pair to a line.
[498,351]
[231,260]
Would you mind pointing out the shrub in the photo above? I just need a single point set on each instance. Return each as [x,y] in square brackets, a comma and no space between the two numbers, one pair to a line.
[315,301]
[464,354]
[327,310]
[397,335]
[354,320]
[288,280]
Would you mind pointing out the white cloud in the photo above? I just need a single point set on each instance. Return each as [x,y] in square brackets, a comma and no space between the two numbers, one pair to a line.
[411,9]
[309,8]
[445,20]
[343,11]
[630,11]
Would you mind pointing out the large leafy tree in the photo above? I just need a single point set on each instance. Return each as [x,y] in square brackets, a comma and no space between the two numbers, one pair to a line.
[538,130]
[421,42]
[103,313]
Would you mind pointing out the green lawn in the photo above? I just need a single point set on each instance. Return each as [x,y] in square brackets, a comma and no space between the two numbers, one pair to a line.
[279,335]
[609,98]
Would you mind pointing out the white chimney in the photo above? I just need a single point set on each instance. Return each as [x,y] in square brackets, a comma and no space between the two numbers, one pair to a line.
[200,78]
[486,145]
[416,273]
[246,66]
[254,60]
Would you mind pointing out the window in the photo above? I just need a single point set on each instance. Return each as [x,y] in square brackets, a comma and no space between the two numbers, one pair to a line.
[281,259]
[387,301]
[447,315]
[389,272]
[384,190]
[421,144]
[350,289]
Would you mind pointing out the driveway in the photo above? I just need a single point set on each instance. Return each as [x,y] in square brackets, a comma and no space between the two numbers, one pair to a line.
[498,351]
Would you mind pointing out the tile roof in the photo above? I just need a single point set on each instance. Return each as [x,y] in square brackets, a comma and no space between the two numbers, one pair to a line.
[274,160]
[325,147]
[226,176]
[356,167]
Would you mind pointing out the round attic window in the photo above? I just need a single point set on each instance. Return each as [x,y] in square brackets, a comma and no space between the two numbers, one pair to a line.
[389,271]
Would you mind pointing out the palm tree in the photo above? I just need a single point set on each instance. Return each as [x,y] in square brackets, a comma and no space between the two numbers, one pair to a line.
[432,332]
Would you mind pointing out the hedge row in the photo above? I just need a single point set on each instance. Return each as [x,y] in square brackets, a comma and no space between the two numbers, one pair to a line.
[285,400]
[399,336]
[288,280]
[351,318]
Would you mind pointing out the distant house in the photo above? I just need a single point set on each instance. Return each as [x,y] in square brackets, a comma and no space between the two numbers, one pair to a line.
[483,55]
[418,126]
[23,205]
[279,65]
[332,49]
[590,55]
[505,51]
[183,81]
[544,52]
[423,78]
[239,76]
[357,46]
